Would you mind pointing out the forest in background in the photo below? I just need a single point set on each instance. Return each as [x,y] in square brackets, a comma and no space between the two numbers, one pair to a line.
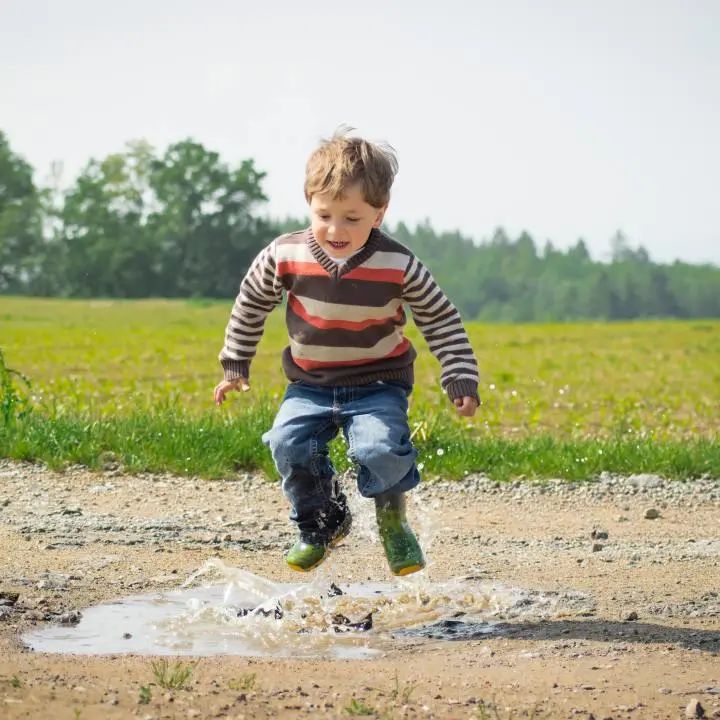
[184,223]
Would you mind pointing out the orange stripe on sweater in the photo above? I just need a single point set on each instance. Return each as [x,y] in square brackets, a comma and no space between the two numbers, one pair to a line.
[375,275]
[298,267]
[323,324]
[314,364]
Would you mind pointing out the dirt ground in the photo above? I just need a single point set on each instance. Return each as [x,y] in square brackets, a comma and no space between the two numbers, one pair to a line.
[646,643]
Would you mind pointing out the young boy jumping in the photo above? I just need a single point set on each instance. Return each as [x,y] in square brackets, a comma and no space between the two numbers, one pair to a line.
[349,365]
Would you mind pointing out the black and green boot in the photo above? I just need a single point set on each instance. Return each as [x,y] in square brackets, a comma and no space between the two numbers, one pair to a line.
[401,546]
[311,548]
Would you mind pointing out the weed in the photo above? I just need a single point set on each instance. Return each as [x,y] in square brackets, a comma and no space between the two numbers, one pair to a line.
[15,681]
[490,711]
[14,404]
[173,677]
[402,695]
[244,682]
[144,696]
[77,712]
[358,707]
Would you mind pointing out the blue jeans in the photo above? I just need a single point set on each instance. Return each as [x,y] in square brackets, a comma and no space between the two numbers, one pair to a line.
[374,421]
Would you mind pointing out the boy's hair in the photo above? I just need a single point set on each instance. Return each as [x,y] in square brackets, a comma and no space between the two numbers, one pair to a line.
[342,161]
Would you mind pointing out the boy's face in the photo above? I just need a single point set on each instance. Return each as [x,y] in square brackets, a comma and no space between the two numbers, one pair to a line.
[342,225]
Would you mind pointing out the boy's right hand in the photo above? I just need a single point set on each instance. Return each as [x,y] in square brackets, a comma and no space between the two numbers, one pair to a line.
[224,387]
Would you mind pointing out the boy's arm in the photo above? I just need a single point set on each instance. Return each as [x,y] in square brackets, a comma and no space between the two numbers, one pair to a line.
[260,291]
[440,323]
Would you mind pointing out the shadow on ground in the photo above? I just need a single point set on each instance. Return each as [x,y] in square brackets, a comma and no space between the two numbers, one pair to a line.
[599,630]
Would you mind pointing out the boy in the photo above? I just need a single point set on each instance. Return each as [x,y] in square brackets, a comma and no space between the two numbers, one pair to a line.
[348,363]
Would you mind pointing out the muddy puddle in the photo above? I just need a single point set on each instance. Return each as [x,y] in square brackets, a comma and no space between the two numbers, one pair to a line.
[248,615]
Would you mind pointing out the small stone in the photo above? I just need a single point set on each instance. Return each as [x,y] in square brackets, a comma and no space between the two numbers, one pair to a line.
[126,636]
[112,700]
[652,514]
[665,691]
[597,547]
[192,713]
[694,709]
[598,534]
[70,618]
[631,616]
[8,598]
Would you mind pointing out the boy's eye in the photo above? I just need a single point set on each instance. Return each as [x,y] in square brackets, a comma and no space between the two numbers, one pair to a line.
[353,220]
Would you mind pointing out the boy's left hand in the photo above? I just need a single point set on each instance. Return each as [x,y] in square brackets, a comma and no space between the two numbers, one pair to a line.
[465,406]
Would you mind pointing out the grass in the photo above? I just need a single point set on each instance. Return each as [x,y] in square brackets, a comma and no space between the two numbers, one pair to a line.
[171,677]
[358,708]
[130,383]
[244,682]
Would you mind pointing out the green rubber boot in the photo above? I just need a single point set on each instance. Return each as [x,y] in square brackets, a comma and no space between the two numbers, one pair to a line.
[309,551]
[305,555]
[401,546]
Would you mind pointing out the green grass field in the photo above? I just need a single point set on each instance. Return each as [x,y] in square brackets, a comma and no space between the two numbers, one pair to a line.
[133,380]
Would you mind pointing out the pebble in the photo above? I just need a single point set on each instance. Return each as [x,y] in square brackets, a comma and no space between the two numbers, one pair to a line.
[651,514]
[694,709]
[70,618]
[631,616]
[597,547]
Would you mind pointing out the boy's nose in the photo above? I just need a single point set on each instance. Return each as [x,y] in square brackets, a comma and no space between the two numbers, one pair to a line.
[334,232]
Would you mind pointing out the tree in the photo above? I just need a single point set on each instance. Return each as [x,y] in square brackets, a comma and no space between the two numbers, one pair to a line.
[20,220]
[205,224]
[108,248]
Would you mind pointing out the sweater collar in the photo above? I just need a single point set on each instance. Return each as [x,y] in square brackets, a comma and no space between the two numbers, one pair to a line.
[332,267]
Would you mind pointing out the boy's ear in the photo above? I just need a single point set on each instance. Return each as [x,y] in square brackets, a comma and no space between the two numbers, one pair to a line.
[380,216]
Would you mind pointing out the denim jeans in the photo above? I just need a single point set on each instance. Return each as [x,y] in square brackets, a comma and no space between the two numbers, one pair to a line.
[373,419]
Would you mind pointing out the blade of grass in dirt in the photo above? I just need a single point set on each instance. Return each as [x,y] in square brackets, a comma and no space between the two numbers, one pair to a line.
[219,444]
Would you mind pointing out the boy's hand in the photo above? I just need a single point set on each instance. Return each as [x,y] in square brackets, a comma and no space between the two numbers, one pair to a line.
[224,387]
[465,406]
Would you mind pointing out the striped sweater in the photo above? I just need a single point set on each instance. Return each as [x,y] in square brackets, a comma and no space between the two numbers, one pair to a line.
[345,322]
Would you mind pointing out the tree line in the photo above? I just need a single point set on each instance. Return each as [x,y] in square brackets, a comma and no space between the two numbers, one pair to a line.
[184,223]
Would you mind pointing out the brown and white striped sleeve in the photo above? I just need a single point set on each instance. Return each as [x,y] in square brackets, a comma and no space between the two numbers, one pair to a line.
[260,291]
[440,323]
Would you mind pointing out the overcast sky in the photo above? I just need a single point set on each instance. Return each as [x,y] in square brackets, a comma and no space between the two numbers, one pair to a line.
[566,118]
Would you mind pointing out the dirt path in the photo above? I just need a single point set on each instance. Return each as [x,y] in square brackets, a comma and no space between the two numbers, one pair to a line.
[643,642]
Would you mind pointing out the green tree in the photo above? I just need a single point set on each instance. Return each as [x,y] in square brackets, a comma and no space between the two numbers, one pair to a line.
[106,246]
[20,220]
[205,224]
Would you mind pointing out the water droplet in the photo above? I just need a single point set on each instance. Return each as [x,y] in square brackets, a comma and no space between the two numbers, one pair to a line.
[440,451]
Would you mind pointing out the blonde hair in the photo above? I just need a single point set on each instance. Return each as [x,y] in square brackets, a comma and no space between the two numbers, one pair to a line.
[343,161]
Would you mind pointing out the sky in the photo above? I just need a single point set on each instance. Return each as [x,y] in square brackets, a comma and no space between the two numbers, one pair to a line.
[565,118]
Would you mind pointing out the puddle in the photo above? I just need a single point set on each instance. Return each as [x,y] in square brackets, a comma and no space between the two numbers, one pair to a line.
[249,615]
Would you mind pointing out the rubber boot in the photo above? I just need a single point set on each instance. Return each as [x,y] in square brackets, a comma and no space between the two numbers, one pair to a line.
[399,542]
[310,550]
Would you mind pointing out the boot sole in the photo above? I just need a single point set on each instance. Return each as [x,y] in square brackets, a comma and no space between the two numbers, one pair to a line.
[300,568]
[409,570]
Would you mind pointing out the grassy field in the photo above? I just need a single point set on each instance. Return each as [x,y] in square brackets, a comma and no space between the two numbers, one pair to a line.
[133,380]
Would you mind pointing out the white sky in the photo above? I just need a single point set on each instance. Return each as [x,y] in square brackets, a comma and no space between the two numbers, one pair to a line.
[567,118]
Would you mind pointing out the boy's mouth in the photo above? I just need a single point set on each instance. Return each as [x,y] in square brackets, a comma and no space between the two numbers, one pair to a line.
[338,245]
